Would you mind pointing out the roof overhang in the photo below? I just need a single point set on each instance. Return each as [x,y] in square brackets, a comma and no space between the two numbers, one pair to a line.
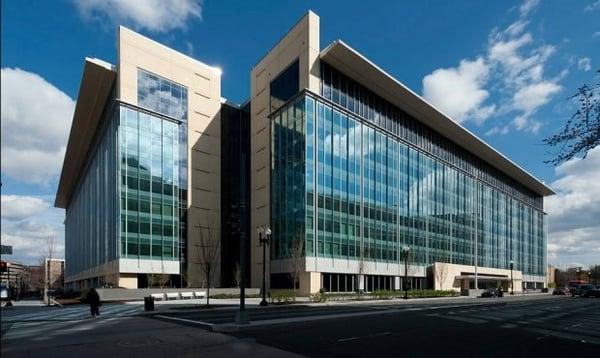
[96,84]
[355,65]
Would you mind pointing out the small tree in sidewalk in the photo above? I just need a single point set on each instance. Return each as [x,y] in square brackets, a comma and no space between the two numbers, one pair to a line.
[207,250]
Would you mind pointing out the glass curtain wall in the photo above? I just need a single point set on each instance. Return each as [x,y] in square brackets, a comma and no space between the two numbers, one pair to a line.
[367,193]
[91,220]
[149,186]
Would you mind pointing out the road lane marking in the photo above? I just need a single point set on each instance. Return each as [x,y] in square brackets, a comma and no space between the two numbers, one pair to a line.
[201,323]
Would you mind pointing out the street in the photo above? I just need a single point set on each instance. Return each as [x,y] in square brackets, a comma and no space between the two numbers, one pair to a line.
[512,326]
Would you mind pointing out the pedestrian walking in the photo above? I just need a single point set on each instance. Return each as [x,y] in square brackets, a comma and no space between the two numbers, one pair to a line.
[94,300]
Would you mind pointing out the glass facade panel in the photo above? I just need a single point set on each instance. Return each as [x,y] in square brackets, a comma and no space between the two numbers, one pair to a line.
[149,186]
[354,190]
[285,85]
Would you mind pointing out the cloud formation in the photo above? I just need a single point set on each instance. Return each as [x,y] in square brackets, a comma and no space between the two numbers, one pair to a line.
[151,15]
[28,223]
[34,129]
[574,211]
[17,207]
[459,91]
[511,72]
[584,64]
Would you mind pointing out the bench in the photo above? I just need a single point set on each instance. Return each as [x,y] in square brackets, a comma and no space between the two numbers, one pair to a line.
[200,294]
[185,295]
[157,296]
[172,295]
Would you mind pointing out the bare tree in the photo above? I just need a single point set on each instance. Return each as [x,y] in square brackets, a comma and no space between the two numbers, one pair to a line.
[296,258]
[581,133]
[45,263]
[441,271]
[362,252]
[208,253]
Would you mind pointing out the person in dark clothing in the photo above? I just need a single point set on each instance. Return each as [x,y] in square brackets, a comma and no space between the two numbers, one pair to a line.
[94,300]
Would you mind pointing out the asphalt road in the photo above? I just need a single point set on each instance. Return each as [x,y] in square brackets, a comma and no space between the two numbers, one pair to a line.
[512,326]
[551,326]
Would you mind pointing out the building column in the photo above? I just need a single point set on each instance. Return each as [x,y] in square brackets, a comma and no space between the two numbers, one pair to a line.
[310,282]
[360,284]
[397,283]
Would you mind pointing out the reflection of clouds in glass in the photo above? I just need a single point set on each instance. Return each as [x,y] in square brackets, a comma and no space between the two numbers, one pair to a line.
[162,95]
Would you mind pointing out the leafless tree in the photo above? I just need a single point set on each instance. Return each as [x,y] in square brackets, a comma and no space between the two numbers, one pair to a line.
[45,262]
[208,254]
[362,253]
[581,133]
[441,271]
[296,259]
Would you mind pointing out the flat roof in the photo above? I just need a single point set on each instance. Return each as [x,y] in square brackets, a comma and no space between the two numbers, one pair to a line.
[352,63]
[96,83]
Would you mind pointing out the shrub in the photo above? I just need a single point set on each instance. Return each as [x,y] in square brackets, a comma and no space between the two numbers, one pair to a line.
[432,293]
[383,294]
[282,296]
[232,295]
[551,285]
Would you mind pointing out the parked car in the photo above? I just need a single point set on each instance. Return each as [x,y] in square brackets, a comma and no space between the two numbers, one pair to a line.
[489,292]
[560,291]
[581,289]
[591,292]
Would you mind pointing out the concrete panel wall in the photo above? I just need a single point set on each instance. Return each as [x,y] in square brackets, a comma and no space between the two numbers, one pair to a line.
[302,43]
[203,83]
[444,275]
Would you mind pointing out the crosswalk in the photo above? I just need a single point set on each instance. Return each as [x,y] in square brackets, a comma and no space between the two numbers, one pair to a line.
[575,319]
[67,313]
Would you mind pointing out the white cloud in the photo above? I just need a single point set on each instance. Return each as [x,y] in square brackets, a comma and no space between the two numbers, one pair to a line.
[27,224]
[16,207]
[510,80]
[593,6]
[584,64]
[459,91]
[527,6]
[152,15]
[36,117]
[574,211]
[529,98]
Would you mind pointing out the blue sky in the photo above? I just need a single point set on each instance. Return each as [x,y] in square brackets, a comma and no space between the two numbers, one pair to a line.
[504,69]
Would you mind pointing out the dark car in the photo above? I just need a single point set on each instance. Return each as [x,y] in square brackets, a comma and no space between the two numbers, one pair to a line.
[560,291]
[489,292]
[581,289]
[591,292]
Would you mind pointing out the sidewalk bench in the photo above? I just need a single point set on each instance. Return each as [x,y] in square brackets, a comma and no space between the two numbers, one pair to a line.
[158,296]
[172,295]
[200,294]
[185,295]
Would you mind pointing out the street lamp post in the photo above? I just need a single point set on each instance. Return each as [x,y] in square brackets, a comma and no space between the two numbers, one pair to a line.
[512,284]
[405,253]
[264,238]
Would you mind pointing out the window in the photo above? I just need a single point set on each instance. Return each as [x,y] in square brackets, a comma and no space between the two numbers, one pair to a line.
[285,85]
[161,95]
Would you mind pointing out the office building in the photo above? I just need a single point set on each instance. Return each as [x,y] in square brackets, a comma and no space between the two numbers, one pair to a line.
[342,161]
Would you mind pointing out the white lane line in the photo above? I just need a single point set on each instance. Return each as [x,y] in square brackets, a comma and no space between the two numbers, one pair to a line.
[186,320]
[347,339]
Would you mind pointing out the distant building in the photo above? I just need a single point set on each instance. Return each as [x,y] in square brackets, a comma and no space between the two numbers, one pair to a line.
[54,274]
